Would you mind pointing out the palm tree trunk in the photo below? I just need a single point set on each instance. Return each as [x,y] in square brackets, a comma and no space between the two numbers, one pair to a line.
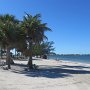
[15,54]
[30,63]
[8,58]
[1,52]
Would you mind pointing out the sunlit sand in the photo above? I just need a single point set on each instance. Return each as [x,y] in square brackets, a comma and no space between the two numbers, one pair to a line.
[50,75]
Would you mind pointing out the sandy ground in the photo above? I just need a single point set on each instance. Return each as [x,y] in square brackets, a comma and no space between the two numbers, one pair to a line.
[50,75]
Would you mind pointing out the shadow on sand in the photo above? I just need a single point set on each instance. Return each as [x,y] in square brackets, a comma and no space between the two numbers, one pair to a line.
[50,71]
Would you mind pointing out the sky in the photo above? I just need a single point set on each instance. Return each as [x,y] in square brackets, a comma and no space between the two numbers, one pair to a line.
[68,19]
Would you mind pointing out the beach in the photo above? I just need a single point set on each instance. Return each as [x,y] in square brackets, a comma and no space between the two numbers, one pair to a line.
[50,75]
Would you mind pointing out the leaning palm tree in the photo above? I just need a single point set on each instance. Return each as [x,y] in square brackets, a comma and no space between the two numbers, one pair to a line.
[35,32]
[9,34]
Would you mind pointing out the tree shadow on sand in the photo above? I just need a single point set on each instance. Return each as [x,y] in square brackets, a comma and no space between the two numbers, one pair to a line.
[50,71]
[78,67]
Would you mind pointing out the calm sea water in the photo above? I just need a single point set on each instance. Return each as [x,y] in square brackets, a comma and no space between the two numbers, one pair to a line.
[74,58]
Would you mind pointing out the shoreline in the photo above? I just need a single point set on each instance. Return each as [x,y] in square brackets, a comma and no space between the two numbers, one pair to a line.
[70,61]
[75,58]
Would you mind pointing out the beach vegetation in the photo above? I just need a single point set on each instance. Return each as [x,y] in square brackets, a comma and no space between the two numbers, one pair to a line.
[35,32]
[26,36]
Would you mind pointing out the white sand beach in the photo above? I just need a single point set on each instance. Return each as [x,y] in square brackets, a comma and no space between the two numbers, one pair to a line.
[50,75]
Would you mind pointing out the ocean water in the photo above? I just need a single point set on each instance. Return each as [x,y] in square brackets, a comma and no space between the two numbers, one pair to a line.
[74,58]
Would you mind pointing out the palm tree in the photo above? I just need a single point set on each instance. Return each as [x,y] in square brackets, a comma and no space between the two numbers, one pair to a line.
[9,34]
[35,32]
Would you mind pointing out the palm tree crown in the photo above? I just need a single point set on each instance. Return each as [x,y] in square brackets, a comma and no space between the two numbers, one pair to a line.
[34,28]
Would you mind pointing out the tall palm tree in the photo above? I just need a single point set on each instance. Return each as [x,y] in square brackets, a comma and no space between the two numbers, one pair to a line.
[9,33]
[35,32]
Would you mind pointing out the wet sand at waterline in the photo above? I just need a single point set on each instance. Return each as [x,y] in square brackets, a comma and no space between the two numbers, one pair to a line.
[50,75]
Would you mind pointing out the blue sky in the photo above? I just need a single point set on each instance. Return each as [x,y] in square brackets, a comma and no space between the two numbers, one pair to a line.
[68,19]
